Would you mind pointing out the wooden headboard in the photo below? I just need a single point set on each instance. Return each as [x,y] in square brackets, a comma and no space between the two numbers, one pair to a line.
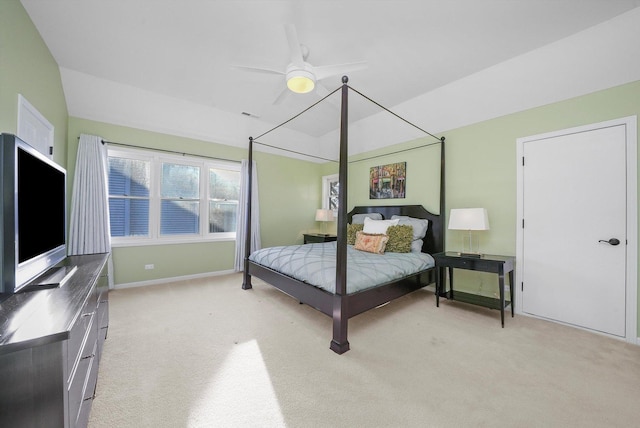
[434,239]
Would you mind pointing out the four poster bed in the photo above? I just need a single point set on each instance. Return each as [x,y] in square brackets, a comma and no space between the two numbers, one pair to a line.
[343,291]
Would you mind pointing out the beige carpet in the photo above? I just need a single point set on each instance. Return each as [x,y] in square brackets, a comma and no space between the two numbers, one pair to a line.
[206,353]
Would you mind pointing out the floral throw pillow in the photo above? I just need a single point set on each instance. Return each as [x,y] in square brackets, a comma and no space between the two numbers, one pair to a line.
[372,243]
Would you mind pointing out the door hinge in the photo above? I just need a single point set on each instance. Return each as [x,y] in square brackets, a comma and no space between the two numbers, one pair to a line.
[522,160]
[50,150]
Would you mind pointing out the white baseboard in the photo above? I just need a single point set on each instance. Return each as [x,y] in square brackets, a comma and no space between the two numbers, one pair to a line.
[172,279]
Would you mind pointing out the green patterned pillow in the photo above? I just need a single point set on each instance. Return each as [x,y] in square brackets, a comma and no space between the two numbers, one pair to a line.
[352,229]
[400,238]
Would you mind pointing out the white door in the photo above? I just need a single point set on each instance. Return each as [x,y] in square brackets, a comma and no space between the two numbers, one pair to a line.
[574,208]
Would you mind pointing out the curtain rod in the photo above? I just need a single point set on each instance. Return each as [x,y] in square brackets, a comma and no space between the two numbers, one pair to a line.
[167,151]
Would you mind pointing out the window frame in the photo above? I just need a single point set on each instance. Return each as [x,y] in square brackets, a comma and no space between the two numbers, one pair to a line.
[156,160]
[326,188]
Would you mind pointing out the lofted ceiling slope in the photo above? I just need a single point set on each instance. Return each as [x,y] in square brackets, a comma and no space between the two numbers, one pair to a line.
[170,66]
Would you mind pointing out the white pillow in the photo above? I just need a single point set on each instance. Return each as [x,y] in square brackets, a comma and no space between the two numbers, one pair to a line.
[378,226]
[359,218]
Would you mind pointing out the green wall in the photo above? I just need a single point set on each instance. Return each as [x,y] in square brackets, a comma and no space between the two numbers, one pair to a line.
[28,68]
[481,168]
[482,164]
[289,192]
[423,174]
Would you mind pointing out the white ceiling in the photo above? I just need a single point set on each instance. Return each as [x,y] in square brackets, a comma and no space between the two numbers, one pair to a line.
[168,65]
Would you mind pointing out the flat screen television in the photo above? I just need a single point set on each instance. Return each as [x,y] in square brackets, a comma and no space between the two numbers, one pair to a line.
[33,218]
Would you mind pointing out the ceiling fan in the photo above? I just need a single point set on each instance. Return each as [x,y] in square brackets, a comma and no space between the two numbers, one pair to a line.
[302,77]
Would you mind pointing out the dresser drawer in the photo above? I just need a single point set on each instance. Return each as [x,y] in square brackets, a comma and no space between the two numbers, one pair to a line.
[87,352]
[80,330]
[103,299]
[103,287]
[82,386]
[103,314]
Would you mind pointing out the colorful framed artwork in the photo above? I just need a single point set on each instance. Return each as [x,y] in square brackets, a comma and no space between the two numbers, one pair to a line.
[388,181]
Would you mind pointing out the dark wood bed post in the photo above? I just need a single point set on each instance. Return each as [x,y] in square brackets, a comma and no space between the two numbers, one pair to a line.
[442,192]
[246,278]
[339,343]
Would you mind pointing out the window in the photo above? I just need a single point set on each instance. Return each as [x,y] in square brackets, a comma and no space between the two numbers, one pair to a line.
[224,193]
[330,192]
[161,198]
[129,196]
[179,199]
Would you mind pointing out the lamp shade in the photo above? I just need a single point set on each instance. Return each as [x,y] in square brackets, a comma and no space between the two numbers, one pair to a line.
[324,215]
[469,219]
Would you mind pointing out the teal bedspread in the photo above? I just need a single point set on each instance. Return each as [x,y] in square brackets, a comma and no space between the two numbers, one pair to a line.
[315,264]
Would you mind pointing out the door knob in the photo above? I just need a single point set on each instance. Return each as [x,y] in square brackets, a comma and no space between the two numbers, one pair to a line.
[612,241]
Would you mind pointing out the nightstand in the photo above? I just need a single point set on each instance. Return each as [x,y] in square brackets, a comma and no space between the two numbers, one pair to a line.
[486,263]
[311,238]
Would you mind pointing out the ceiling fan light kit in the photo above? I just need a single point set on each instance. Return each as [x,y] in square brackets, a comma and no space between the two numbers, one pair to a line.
[302,77]
[300,80]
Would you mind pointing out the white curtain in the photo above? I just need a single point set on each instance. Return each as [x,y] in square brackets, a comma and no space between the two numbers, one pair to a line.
[89,226]
[242,214]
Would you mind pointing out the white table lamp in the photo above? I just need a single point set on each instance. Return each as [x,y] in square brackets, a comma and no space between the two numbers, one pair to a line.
[469,219]
[324,216]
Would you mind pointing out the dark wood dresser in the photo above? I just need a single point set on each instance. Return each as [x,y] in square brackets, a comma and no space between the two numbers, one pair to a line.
[50,346]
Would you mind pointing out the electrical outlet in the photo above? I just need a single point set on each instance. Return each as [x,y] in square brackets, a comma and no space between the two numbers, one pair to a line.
[149,267]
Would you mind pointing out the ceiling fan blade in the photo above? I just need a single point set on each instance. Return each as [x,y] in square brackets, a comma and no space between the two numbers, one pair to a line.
[281,96]
[324,71]
[295,49]
[322,91]
[262,70]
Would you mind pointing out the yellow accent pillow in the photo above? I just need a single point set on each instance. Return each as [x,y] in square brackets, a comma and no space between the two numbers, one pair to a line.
[372,243]
[352,229]
[400,238]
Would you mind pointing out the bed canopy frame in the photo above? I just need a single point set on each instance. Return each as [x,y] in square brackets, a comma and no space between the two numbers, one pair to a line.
[341,306]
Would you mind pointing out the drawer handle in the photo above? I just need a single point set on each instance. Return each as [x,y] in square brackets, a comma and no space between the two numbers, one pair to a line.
[88,398]
[87,314]
[88,356]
